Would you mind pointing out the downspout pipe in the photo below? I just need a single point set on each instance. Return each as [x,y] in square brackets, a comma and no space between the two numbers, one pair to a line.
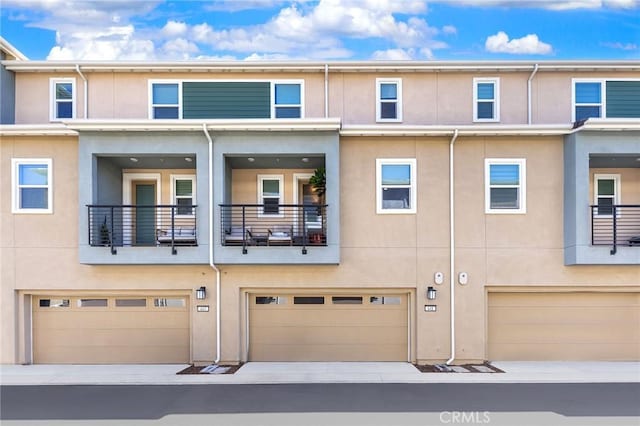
[452,251]
[86,91]
[529,100]
[326,90]
[213,266]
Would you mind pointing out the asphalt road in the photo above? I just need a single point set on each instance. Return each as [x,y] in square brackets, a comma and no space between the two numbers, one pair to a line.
[480,401]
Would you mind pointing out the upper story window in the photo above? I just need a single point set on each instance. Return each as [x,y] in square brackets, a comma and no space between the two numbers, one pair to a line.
[287,100]
[486,105]
[603,98]
[270,189]
[165,100]
[505,185]
[606,188]
[183,194]
[31,185]
[396,186]
[389,99]
[63,98]
[587,99]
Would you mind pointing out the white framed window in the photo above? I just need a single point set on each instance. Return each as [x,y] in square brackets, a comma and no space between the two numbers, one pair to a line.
[389,99]
[396,185]
[63,98]
[588,99]
[183,194]
[270,190]
[287,99]
[606,193]
[486,99]
[505,185]
[32,185]
[165,99]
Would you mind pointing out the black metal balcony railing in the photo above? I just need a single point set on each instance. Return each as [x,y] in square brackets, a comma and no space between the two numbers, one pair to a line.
[299,225]
[615,225]
[138,226]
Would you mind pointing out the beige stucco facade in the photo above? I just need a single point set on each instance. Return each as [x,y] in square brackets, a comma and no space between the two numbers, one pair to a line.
[511,260]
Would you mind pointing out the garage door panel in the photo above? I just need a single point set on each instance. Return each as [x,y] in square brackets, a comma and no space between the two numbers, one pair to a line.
[576,332]
[584,299]
[56,319]
[330,335]
[90,335]
[564,326]
[309,317]
[126,355]
[329,331]
[297,352]
[545,314]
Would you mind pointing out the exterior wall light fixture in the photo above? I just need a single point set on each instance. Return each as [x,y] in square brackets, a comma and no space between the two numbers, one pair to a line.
[201,293]
[431,293]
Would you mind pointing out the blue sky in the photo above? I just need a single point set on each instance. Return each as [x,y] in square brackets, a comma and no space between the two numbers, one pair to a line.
[323,29]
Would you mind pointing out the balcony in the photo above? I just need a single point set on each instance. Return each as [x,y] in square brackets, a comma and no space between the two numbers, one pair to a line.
[273,225]
[161,226]
[615,225]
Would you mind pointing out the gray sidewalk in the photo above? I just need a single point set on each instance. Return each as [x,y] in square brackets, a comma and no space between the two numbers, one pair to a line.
[319,372]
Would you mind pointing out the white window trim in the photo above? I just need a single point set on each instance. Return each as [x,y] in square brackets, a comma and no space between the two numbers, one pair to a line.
[15,188]
[496,99]
[172,192]
[413,186]
[522,163]
[150,94]
[398,83]
[53,101]
[616,196]
[273,97]
[280,179]
[603,98]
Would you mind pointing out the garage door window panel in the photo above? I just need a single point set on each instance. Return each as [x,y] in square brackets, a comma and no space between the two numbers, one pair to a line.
[54,303]
[93,303]
[346,300]
[131,303]
[308,300]
[271,300]
[385,300]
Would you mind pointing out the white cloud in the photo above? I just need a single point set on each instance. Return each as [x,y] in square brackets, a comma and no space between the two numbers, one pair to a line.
[449,29]
[620,46]
[529,44]
[174,29]
[393,55]
[549,4]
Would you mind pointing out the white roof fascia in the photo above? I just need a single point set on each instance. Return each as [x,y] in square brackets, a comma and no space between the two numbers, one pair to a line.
[464,130]
[264,125]
[611,124]
[11,50]
[36,130]
[316,66]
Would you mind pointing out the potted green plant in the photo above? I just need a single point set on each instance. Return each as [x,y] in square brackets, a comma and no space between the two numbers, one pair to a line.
[319,183]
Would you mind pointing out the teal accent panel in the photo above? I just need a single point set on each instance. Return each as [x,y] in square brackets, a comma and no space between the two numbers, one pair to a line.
[226,100]
[623,99]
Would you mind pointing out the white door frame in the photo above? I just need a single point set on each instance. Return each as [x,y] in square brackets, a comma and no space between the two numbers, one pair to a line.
[127,180]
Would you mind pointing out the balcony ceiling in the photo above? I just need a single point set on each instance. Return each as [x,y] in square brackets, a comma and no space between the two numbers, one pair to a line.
[275,162]
[614,161]
[133,161]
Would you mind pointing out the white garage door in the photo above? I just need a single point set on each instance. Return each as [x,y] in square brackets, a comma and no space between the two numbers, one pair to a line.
[564,326]
[110,330]
[326,327]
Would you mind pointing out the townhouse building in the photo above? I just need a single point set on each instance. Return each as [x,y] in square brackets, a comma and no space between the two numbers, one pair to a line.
[197,212]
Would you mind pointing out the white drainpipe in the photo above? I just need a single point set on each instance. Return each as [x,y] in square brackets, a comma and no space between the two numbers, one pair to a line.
[452,252]
[86,91]
[213,266]
[326,90]
[535,70]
